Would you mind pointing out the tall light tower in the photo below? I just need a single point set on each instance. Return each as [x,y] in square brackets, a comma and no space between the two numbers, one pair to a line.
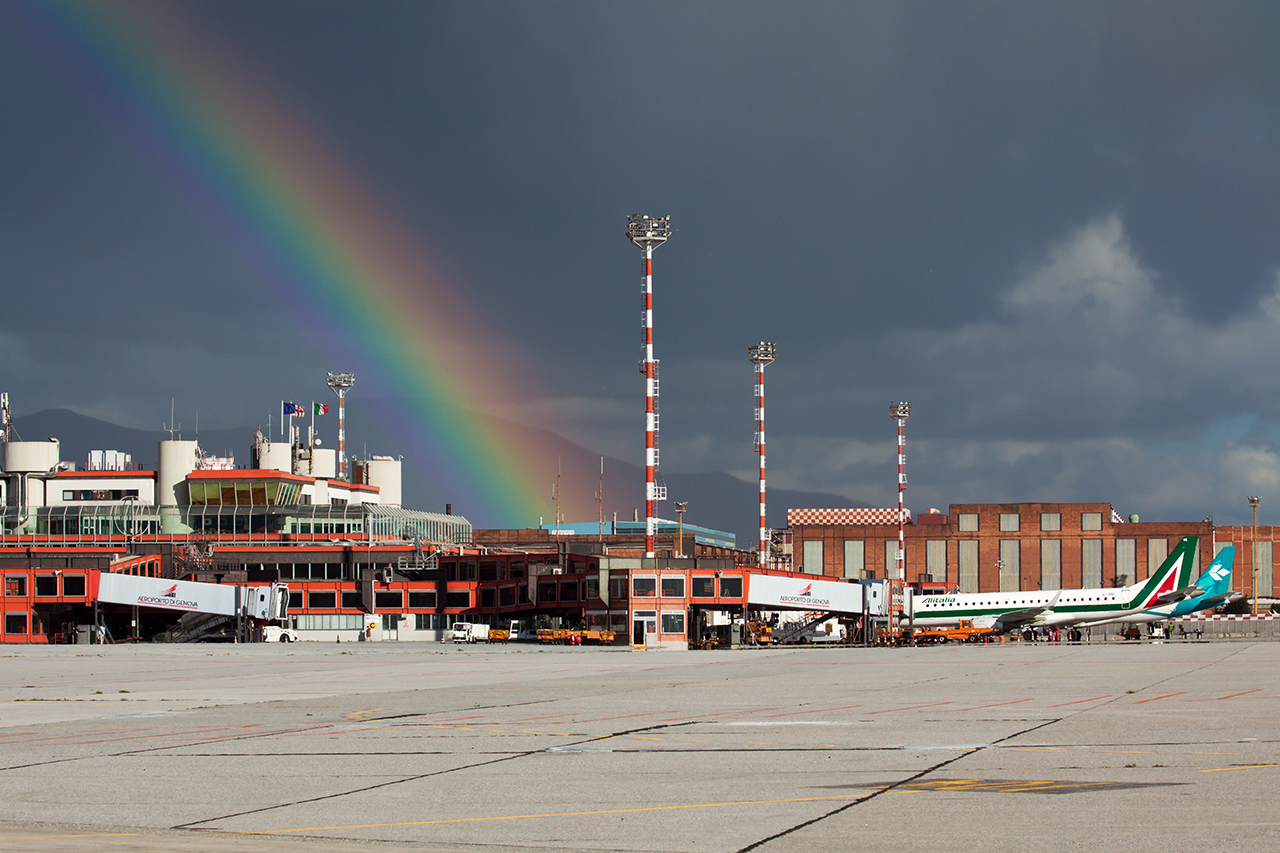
[341,383]
[761,354]
[1254,500]
[648,232]
[900,412]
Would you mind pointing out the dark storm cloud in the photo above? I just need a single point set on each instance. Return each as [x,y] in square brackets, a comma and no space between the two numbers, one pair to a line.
[920,200]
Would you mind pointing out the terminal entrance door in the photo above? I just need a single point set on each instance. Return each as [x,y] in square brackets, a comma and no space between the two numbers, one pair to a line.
[644,627]
[390,626]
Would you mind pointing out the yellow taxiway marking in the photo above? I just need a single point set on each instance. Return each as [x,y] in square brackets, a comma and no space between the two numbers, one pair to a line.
[1215,753]
[1241,767]
[93,835]
[1127,751]
[359,715]
[545,815]
[1033,749]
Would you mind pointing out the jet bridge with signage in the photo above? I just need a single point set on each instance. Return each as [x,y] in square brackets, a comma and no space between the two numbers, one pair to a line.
[823,599]
[206,608]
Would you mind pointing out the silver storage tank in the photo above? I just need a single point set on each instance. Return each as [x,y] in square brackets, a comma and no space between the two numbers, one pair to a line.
[384,472]
[324,463]
[31,457]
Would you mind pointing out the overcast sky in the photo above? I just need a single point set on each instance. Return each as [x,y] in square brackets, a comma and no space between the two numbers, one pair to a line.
[1053,227]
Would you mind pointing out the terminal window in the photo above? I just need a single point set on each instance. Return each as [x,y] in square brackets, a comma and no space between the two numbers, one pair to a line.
[16,585]
[47,586]
[323,600]
[419,599]
[703,587]
[672,622]
[352,600]
[644,587]
[673,587]
[731,587]
[15,623]
[73,585]
[391,600]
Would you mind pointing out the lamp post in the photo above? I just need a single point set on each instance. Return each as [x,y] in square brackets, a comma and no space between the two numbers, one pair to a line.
[900,411]
[648,232]
[1254,500]
[680,506]
[762,355]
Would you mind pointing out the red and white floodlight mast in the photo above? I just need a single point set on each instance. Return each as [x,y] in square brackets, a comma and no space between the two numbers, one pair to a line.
[341,383]
[648,232]
[900,412]
[761,354]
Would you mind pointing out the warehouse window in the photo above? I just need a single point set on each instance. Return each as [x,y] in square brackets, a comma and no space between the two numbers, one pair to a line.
[855,559]
[1051,564]
[1050,521]
[1126,561]
[1157,551]
[935,559]
[891,559]
[1091,563]
[1090,521]
[672,622]
[1010,565]
[812,562]
[968,522]
[968,565]
[1010,522]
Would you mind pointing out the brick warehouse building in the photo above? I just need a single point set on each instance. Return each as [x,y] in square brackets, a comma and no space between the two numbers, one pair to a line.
[1007,547]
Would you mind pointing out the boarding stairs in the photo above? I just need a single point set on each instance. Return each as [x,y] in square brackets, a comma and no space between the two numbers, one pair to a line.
[201,626]
[793,632]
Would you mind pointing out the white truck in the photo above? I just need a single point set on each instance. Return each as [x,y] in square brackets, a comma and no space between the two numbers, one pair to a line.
[470,632]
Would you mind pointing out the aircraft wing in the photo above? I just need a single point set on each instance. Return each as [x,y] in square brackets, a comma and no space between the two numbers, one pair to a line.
[1015,619]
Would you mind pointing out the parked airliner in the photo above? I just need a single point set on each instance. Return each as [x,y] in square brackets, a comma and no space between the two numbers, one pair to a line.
[1009,611]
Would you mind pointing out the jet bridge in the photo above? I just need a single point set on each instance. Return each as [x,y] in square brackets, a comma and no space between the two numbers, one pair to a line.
[778,592]
[208,605]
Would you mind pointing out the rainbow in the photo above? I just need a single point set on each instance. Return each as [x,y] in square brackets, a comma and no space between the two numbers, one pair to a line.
[304,223]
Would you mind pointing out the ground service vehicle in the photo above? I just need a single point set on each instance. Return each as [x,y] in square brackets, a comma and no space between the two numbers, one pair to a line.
[963,632]
[470,632]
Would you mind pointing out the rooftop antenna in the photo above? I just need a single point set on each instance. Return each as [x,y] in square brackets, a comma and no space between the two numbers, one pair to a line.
[555,494]
[170,428]
[341,383]
[600,502]
[761,354]
[7,417]
[647,232]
